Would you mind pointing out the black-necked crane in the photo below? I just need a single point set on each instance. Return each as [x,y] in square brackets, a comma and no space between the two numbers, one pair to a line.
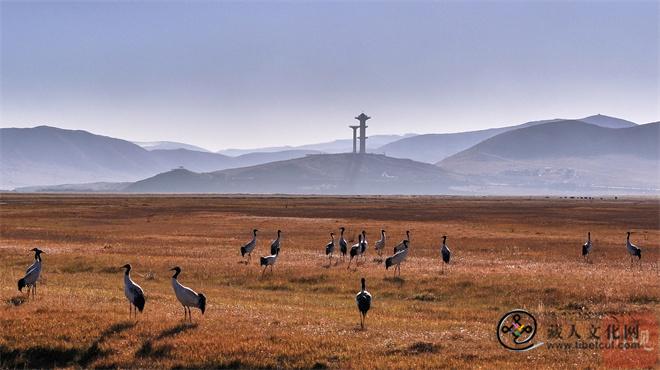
[445,252]
[355,251]
[275,245]
[397,258]
[633,250]
[330,248]
[363,300]
[586,247]
[380,244]
[32,274]
[269,261]
[186,296]
[364,244]
[343,246]
[133,292]
[400,246]
[249,247]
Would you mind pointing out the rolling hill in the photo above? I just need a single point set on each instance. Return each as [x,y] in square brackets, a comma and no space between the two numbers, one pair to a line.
[49,155]
[313,174]
[566,154]
[432,148]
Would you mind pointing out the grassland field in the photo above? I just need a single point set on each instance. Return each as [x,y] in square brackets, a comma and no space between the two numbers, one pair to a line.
[507,253]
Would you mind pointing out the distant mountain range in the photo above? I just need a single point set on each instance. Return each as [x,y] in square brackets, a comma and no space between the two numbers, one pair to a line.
[596,154]
[46,155]
[432,148]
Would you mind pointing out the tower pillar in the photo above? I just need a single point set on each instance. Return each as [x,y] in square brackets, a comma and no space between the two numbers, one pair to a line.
[363,131]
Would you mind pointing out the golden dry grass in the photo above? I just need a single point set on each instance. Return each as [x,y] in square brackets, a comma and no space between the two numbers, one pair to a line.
[508,253]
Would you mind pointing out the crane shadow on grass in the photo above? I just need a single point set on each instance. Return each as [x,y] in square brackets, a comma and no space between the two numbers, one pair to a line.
[151,349]
[59,356]
[94,352]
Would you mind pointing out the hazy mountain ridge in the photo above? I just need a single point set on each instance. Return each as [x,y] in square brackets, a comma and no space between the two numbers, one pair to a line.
[45,155]
[168,145]
[433,148]
[335,146]
[48,155]
[566,154]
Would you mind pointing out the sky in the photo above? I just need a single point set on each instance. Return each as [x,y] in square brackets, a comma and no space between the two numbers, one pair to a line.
[252,74]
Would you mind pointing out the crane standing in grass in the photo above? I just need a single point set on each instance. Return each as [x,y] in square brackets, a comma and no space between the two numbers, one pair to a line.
[269,261]
[397,258]
[186,296]
[445,252]
[355,251]
[586,247]
[330,248]
[380,244]
[363,245]
[275,245]
[32,274]
[133,292]
[343,246]
[249,247]
[400,246]
[633,250]
[363,300]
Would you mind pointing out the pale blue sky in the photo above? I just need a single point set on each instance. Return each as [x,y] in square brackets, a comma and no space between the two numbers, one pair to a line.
[231,74]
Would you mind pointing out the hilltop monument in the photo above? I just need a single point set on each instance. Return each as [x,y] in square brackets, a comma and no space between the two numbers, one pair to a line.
[363,133]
